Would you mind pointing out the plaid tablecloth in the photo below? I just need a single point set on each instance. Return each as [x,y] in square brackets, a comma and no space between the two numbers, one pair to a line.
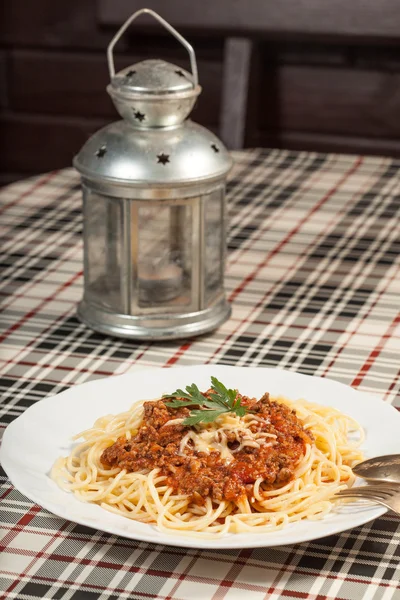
[313,276]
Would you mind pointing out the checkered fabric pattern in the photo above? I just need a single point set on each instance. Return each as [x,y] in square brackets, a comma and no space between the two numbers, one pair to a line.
[313,275]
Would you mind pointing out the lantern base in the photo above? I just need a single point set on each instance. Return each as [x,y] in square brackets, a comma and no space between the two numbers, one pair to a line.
[150,327]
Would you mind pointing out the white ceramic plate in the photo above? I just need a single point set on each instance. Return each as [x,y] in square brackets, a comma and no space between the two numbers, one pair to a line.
[43,433]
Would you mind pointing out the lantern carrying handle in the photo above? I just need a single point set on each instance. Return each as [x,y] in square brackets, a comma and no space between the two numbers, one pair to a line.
[178,36]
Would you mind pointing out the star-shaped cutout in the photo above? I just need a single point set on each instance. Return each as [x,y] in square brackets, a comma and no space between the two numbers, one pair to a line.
[130,73]
[163,158]
[215,147]
[101,152]
[180,73]
[139,116]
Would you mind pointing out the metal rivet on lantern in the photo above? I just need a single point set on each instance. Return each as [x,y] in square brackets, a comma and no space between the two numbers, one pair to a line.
[154,211]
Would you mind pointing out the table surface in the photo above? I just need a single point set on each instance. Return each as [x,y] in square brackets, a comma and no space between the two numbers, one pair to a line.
[313,275]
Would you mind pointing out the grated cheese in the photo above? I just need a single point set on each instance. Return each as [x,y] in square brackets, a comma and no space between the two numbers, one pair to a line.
[213,437]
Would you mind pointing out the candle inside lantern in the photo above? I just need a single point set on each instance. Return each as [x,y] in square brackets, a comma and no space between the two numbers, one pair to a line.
[159,283]
[162,253]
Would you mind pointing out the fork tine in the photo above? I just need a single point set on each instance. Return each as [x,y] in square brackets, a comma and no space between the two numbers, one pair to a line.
[379,485]
[365,493]
[365,490]
[380,489]
[361,496]
[391,487]
[384,495]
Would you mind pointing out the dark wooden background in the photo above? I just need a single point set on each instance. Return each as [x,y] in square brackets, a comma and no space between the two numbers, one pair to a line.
[323,76]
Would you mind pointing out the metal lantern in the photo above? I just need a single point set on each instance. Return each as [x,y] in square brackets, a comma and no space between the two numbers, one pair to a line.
[154,207]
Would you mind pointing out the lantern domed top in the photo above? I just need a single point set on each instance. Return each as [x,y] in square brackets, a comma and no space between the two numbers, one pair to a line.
[153,93]
[153,76]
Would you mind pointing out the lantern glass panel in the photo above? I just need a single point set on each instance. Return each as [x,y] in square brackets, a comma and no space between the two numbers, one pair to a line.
[102,218]
[164,255]
[214,245]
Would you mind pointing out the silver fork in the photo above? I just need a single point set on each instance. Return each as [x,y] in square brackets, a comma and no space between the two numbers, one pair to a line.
[386,494]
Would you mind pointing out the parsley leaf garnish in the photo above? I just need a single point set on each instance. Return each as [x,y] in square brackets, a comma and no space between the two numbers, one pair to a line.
[208,408]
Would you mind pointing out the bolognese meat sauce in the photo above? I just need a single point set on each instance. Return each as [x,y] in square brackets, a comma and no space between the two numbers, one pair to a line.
[157,444]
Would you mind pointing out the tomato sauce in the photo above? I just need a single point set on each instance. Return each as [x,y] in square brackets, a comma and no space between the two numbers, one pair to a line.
[207,474]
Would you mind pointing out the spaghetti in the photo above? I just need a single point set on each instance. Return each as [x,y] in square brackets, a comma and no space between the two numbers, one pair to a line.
[280,462]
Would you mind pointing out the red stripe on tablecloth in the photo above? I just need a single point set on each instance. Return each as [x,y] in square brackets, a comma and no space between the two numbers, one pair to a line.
[33,312]
[293,231]
[265,261]
[392,385]
[38,184]
[77,368]
[133,361]
[178,354]
[375,352]
[14,359]
[25,296]
[66,256]
[24,520]
[64,259]
[282,570]
[36,281]
[182,576]
[292,266]
[293,594]
[364,317]
[242,560]
[301,189]
[43,365]
[7,491]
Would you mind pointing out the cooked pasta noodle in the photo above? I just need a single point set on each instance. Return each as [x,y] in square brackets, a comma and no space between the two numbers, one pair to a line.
[330,445]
